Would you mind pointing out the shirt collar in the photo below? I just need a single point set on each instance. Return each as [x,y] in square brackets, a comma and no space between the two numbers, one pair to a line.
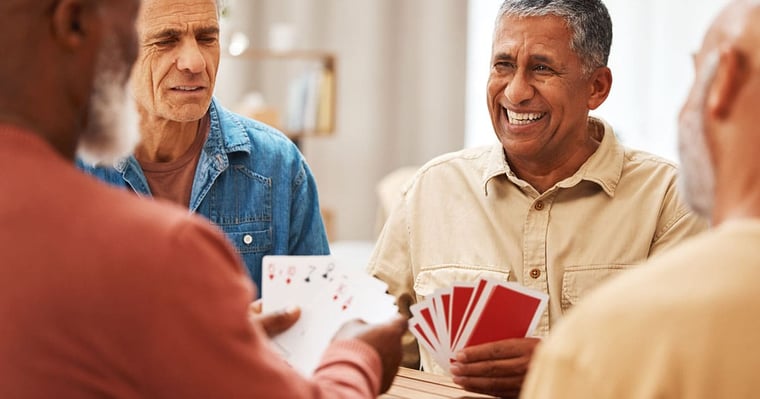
[226,135]
[496,166]
[604,167]
[228,129]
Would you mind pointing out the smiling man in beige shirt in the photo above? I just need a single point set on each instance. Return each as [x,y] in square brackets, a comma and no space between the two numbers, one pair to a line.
[689,320]
[559,205]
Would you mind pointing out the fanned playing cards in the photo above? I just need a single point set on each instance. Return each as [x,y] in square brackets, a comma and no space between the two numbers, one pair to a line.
[329,293]
[468,314]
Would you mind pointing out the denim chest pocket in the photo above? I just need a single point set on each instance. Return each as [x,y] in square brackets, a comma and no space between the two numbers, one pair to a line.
[431,279]
[578,281]
[251,237]
[241,196]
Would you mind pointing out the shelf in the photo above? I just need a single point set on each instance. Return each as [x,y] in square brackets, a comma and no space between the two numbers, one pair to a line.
[328,59]
[322,122]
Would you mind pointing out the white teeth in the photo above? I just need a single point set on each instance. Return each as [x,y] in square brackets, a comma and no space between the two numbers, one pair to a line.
[523,119]
[186,88]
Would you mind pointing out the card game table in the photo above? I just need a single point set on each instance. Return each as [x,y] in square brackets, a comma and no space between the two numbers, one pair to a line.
[414,384]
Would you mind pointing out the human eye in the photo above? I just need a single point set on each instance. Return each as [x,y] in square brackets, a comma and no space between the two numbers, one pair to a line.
[543,70]
[164,41]
[207,35]
[503,66]
[207,39]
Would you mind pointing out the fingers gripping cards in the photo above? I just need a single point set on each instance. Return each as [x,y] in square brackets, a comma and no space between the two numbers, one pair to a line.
[468,314]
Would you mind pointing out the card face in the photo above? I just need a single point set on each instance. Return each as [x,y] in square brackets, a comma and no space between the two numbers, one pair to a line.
[291,280]
[329,294]
[474,313]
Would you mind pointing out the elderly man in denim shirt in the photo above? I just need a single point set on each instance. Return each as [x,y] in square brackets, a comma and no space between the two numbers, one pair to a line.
[244,176]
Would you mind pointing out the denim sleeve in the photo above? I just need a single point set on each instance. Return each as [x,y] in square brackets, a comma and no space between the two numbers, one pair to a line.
[307,231]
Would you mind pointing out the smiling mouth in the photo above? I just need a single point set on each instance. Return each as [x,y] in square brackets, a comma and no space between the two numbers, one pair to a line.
[187,88]
[516,118]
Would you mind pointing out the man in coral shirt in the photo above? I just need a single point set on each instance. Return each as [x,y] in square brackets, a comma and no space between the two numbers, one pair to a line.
[103,294]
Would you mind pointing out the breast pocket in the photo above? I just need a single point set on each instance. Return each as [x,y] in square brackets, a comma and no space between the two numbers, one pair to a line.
[252,241]
[251,237]
[240,202]
[431,279]
[578,281]
[240,196]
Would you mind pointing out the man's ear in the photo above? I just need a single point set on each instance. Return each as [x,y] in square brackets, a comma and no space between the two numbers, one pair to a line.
[730,75]
[70,21]
[601,82]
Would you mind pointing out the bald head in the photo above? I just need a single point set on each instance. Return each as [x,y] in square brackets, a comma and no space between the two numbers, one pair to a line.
[718,138]
[738,24]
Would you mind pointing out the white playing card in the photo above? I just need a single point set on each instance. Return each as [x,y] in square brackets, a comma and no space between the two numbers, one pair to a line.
[329,294]
[293,280]
[441,300]
[424,338]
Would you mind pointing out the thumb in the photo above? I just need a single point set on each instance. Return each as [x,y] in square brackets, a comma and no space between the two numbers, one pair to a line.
[277,322]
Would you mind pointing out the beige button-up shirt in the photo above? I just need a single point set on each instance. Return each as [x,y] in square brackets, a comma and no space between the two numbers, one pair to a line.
[466,215]
[682,326]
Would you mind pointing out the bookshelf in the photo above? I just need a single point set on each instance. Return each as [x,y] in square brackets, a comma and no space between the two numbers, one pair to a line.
[300,99]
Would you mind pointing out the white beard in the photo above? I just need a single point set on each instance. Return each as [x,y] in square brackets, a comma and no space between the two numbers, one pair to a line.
[112,131]
[697,176]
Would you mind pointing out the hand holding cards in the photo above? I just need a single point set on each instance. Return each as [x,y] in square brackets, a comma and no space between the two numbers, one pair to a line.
[468,314]
[328,293]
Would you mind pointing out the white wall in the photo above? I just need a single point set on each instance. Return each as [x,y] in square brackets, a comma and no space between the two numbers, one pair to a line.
[481,15]
[650,60]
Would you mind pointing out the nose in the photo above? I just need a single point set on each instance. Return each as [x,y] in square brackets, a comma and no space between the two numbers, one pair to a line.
[519,89]
[190,58]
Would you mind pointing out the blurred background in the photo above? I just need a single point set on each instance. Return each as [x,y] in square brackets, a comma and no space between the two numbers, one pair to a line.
[366,87]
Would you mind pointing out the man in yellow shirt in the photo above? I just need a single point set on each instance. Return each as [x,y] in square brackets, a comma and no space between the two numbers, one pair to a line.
[559,205]
[686,325]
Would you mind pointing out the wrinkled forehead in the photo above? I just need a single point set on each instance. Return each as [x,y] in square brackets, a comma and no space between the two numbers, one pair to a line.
[158,15]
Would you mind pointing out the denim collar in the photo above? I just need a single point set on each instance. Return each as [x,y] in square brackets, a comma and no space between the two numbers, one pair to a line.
[226,135]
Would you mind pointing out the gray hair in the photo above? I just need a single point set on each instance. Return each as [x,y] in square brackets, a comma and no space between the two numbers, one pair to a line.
[588,20]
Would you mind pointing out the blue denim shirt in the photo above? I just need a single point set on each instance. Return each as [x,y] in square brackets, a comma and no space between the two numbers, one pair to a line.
[252,182]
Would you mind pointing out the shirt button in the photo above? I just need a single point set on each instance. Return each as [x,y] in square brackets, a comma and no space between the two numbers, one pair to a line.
[539,205]
[535,273]
[247,239]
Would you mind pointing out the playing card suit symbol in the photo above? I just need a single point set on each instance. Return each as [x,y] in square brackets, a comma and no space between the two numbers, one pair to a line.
[330,268]
[271,276]
[335,297]
[344,307]
[287,281]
